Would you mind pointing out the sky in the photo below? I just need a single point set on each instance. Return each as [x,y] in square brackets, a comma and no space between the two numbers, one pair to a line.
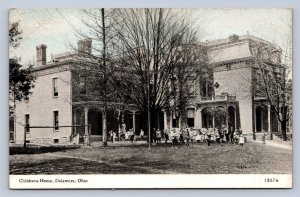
[56,27]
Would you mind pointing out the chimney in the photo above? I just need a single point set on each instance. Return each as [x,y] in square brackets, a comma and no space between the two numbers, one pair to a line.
[85,46]
[41,55]
[233,38]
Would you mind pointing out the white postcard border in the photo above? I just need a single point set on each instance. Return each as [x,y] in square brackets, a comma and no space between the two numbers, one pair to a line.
[150,181]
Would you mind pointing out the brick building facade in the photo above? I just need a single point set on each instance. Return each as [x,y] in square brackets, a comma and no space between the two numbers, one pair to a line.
[228,87]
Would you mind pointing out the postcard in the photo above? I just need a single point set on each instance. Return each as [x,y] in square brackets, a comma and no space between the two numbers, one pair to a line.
[150,98]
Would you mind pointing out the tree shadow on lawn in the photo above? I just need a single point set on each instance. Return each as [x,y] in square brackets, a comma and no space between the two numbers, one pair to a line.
[72,166]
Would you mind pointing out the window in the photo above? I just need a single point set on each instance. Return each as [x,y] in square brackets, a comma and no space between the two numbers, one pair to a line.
[191,122]
[191,117]
[174,120]
[27,123]
[82,84]
[55,120]
[55,88]
[228,66]
[174,123]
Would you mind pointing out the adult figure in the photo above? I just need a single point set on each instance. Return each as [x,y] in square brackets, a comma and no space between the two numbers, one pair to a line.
[166,135]
[111,137]
[181,140]
[154,135]
[123,134]
[227,134]
[231,133]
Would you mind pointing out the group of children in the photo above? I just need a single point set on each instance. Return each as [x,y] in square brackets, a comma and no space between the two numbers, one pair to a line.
[127,136]
[187,135]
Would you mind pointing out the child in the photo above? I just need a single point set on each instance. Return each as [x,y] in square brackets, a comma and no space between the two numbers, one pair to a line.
[241,140]
[173,137]
[198,136]
[142,134]
[208,136]
[158,136]
[187,137]
[236,137]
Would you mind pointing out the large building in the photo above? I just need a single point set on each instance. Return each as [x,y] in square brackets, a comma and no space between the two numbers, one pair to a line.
[226,93]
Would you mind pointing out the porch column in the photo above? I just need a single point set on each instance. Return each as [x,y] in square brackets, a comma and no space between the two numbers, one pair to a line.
[158,121]
[86,129]
[279,126]
[235,118]
[75,122]
[213,120]
[227,114]
[262,118]
[165,120]
[133,121]
[269,118]
[254,109]
[171,119]
[199,118]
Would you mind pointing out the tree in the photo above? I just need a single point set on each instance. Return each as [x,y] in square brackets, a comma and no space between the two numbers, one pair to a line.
[20,79]
[157,45]
[136,52]
[270,81]
[95,62]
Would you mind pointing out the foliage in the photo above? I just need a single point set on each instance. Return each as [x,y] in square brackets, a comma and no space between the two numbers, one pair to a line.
[15,34]
[20,80]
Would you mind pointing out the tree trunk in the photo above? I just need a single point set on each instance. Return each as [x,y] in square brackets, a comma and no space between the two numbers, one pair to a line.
[104,130]
[105,81]
[283,130]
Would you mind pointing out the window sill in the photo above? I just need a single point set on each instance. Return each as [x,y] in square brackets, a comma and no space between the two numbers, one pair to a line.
[55,96]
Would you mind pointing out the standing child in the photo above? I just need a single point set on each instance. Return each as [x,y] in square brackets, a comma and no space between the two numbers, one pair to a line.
[241,139]
[187,137]
[173,137]
[236,137]
[208,136]
[114,136]
[142,134]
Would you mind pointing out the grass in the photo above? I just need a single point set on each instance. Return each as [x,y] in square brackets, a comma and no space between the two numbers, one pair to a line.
[252,158]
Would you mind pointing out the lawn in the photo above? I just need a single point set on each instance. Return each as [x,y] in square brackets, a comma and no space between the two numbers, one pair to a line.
[253,158]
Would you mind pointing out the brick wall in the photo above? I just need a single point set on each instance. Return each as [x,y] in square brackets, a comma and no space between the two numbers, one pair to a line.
[237,80]
[41,105]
